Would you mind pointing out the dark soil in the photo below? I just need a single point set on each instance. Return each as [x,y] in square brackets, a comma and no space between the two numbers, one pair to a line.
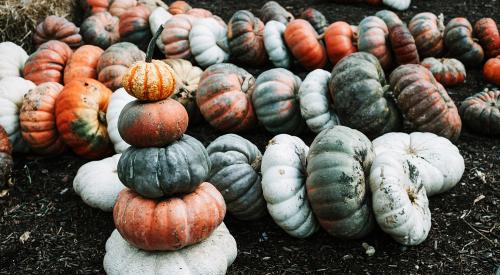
[67,236]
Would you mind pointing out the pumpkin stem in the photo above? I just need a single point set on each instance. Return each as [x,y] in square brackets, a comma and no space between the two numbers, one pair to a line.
[102,117]
[321,36]
[440,23]
[152,44]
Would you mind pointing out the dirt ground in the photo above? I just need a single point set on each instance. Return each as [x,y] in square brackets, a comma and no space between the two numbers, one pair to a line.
[66,236]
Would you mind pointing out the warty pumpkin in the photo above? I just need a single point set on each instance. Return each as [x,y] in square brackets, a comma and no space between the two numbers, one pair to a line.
[178,7]
[274,42]
[245,35]
[448,72]
[12,59]
[491,70]
[316,19]
[134,26]
[460,43]
[118,7]
[174,39]
[486,31]
[373,38]
[273,11]
[101,29]
[57,28]
[83,63]
[340,41]
[427,30]
[208,42]
[6,161]
[94,6]
[47,63]
[302,40]
[117,101]
[481,112]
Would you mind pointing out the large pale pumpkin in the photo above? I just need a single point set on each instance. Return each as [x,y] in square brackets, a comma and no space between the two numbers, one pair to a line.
[274,42]
[302,40]
[208,42]
[101,29]
[57,28]
[245,35]
[12,59]
[460,43]
[117,101]
[47,63]
[427,29]
[481,112]
[6,161]
[83,63]
[134,26]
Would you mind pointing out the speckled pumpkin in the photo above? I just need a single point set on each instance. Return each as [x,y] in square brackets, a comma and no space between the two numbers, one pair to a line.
[57,28]
[460,43]
[47,63]
[427,30]
[246,42]
[486,31]
[149,80]
[373,38]
[491,70]
[272,10]
[448,72]
[340,41]
[134,26]
[101,29]
[83,63]
[316,18]
[302,40]
[481,112]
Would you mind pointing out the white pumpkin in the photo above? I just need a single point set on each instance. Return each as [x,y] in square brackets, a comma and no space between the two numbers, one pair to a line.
[12,59]
[275,44]
[118,100]
[398,4]
[435,159]
[212,256]
[12,91]
[157,18]
[283,184]
[208,42]
[315,102]
[97,183]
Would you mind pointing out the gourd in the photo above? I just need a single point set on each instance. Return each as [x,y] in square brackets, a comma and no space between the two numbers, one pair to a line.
[155,172]
[174,40]
[316,19]
[97,183]
[283,185]
[117,101]
[12,59]
[276,102]
[338,165]
[81,117]
[37,119]
[315,103]
[245,35]
[486,31]
[178,7]
[101,29]
[373,38]
[340,41]
[235,173]
[169,223]
[224,97]
[208,42]
[448,72]
[57,28]
[47,63]
[460,44]
[437,114]
[6,161]
[94,6]
[118,7]
[158,17]
[491,70]
[427,30]
[211,256]
[134,26]
[274,42]
[481,112]
[273,11]
[83,63]
[302,40]
[361,97]
[398,4]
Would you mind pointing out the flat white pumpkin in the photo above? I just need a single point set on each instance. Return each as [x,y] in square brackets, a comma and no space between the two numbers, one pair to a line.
[118,100]
[157,18]
[283,184]
[212,256]
[12,59]
[97,183]
[208,42]
[398,4]
[275,44]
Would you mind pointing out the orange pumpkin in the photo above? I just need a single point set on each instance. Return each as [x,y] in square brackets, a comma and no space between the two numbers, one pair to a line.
[487,32]
[178,7]
[94,6]
[118,7]
[6,161]
[83,63]
[199,13]
[171,223]
[81,117]
[303,42]
[246,42]
[175,37]
[38,120]
[340,40]
[47,63]
[427,30]
[57,28]
[101,29]
[134,26]
[491,70]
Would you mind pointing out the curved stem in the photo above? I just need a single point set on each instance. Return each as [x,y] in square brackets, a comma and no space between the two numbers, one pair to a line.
[152,44]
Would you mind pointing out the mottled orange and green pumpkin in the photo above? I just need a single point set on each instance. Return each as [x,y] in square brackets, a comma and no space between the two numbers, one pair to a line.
[100,29]
[57,28]
[481,112]
[427,30]
[47,63]
[486,31]
[134,26]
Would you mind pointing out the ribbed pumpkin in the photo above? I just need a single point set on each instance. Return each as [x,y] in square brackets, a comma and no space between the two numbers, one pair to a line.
[208,41]
[316,19]
[224,97]
[101,29]
[158,17]
[448,72]
[481,112]
[427,30]
[199,13]
[94,6]
[460,43]
[246,42]
[272,10]
[373,38]
[274,42]
[38,121]
[487,32]
[57,28]
[171,223]
[81,117]
[340,40]
[491,70]
[118,7]
[6,161]
[12,59]
[424,102]
[178,7]
[302,40]
[134,26]
[47,63]
[153,4]
[174,39]
[83,63]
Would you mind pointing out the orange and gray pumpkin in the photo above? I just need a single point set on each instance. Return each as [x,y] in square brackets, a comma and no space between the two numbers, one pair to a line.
[491,70]
[245,35]
[57,28]
[174,39]
[481,112]
[448,72]
[373,37]
[101,29]
[427,30]
[134,26]
[460,43]
[316,18]
[272,10]
[118,7]
[487,32]
[47,63]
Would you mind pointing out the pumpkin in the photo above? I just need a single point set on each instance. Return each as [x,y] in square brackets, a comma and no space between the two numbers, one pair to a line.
[208,42]
[491,70]
[315,103]
[12,91]
[6,161]
[398,4]
[276,101]
[486,31]
[235,173]
[273,11]
[134,26]
[153,4]
[338,165]
[154,172]
[302,40]
[360,95]
[274,42]
[158,17]
[424,102]
[283,185]
[12,59]
[178,7]
[47,63]
[37,119]
[448,72]
[245,34]
[199,13]
[373,38]
[101,29]
[316,19]
[458,39]
[97,183]
[427,30]
[224,97]
[57,28]
[211,256]
[174,39]
[81,117]
[114,63]
[83,63]
[481,112]
[94,6]
[118,7]
[117,101]
[340,41]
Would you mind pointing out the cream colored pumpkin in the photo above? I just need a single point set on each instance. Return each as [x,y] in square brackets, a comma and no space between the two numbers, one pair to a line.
[157,18]
[117,101]
[398,4]
[208,42]
[12,59]
[274,42]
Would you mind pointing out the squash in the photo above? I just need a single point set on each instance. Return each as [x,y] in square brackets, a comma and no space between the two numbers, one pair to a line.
[57,28]
[427,30]
[486,31]
[340,40]
[6,161]
[178,7]
[211,256]
[208,42]
[316,19]
[134,26]
[114,63]
[12,91]
[273,11]
[101,29]
[276,101]
[235,173]
[491,70]
[398,4]
[361,97]
[94,6]
[302,40]
[315,103]
[154,172]
[97,183]
[83,63]
[37,119]
[47,63]
[117,101]
[338,165]
[174,40]
[118,7]
[481,112]
[12,59]
[81,117]
[245,35]
[199,13]
[224,97]
[424,102]
[373,38]
[274,42]
[158,17]
[449,72]
[460,43]
[283,185]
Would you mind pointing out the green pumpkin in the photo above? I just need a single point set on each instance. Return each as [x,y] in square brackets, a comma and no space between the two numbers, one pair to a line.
[460,43]
[481,112]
